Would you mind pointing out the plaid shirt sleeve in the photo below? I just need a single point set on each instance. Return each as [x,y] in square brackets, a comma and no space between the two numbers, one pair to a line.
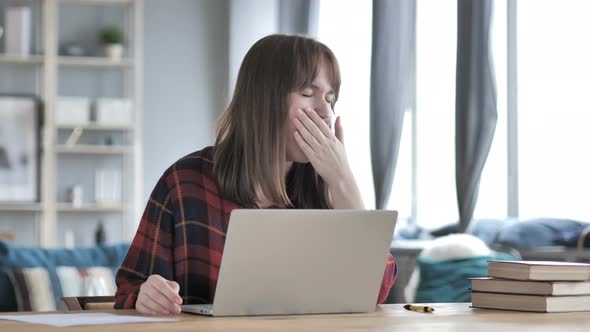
[181,234]
[151,250]
[389,277]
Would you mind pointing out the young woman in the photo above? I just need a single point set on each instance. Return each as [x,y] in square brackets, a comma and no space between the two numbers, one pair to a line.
[275,148]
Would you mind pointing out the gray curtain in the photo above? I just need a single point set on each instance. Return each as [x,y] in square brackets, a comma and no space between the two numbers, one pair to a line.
[476,112]
[393,86]
[298,16]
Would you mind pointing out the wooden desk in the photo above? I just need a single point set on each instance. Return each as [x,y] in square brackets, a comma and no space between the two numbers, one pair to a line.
[448,317]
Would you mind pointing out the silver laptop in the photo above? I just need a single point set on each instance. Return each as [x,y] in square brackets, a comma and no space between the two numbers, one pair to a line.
[285,262]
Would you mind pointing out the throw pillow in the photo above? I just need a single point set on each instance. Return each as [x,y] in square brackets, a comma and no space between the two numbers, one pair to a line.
[33,289]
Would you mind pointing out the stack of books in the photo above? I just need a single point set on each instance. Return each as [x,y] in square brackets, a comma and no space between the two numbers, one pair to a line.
[533,286]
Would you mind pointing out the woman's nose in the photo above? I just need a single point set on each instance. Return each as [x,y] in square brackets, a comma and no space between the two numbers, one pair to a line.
[324,110]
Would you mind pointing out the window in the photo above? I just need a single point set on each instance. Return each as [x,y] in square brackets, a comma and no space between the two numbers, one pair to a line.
[429,132]
[335,30]
[424,184]
[436,31]
[554,108]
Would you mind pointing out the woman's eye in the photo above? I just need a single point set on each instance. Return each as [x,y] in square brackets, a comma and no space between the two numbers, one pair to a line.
[306,94]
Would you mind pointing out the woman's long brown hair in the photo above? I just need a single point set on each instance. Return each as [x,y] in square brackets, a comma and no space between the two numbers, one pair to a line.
[250,148]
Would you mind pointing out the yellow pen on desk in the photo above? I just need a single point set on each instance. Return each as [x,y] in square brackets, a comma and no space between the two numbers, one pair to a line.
[419,308]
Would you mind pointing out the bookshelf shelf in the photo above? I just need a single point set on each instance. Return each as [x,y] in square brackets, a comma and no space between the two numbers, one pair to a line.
[91,149]
[16,59]
[94,62]
[18,207]
[98,208]
[94,127]
[98,2]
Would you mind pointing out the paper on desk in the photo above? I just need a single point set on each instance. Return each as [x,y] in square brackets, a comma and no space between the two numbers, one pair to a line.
[63,320]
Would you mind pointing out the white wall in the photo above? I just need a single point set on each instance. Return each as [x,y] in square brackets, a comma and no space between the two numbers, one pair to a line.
[186,57]
[193,51]
[248,22]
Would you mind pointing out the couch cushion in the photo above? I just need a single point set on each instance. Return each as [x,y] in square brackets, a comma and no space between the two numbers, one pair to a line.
[33,289]
[541,232]
[90,281]
[35,292]
[448,281]
[487,229]
[13,257]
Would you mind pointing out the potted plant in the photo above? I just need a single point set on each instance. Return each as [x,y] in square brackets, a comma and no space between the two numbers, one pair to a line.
[112,39]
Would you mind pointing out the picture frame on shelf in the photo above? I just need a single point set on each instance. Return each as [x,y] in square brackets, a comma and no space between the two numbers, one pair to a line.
[19,148]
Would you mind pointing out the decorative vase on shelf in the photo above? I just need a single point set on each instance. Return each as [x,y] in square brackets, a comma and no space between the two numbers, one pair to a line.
[113,51]
[112,39]
[99,234]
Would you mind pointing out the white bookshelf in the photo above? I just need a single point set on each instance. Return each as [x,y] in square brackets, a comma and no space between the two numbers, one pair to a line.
[50,210]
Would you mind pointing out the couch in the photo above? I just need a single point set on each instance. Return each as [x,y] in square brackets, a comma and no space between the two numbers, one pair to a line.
[33,278]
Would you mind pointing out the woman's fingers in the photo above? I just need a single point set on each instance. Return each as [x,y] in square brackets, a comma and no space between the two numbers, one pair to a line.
[158,296]
[164,301]
[152,308]
[144,304]
[155,302]
[176,288]
[310,125]
[323,147]
[304,146]
[169,289]
[319,122]
[307,135]
[339,130]
[139,306]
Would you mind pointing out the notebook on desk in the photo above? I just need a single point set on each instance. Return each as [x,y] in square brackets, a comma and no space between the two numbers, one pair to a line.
[283,262]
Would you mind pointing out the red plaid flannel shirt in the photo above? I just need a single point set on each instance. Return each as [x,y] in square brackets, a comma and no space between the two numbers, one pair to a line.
[182,233]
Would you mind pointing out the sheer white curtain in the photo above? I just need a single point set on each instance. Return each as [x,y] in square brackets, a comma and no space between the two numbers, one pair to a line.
[435,113]
[493,187]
